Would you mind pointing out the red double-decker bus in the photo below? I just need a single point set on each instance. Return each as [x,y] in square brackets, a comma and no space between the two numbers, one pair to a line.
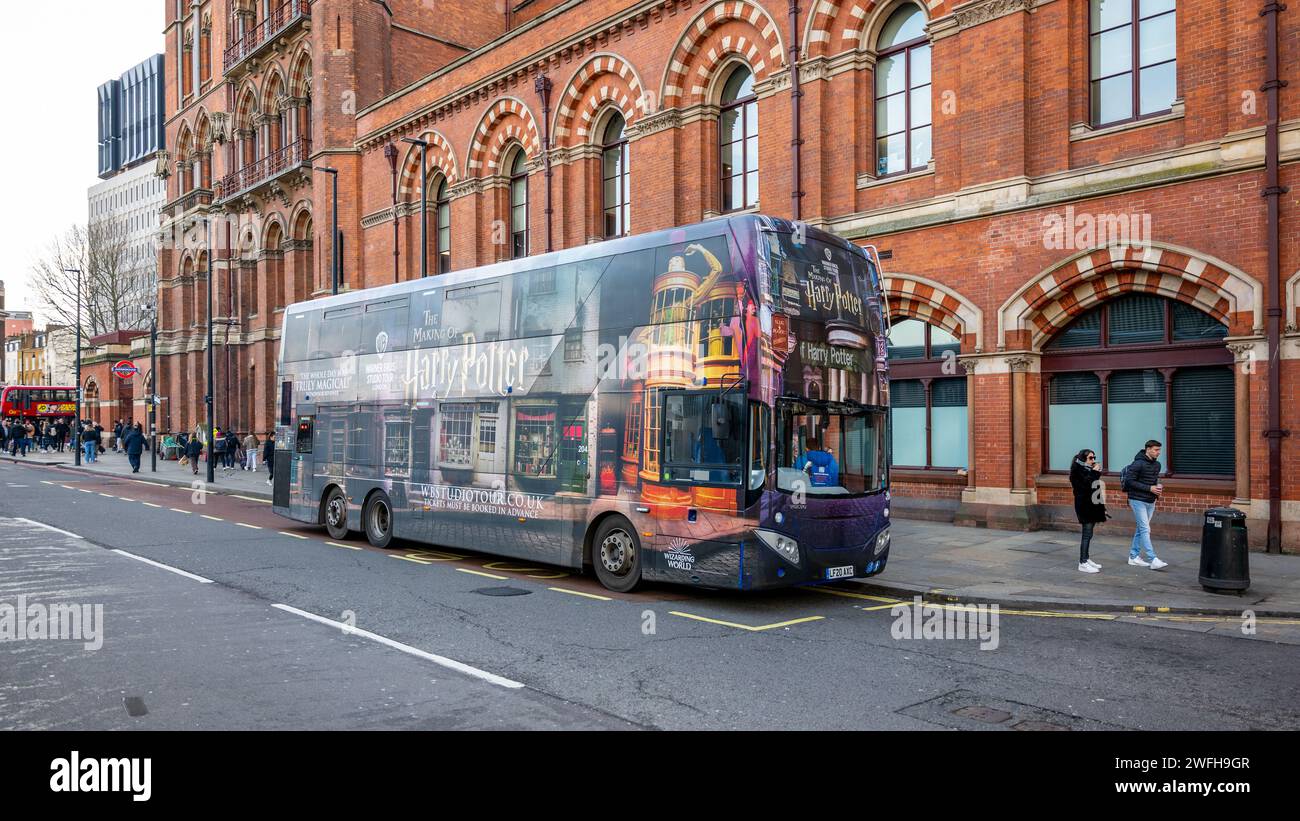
[25,401]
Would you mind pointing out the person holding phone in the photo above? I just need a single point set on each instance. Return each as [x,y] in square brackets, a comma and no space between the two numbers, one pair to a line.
[1141,481]
[1089,503]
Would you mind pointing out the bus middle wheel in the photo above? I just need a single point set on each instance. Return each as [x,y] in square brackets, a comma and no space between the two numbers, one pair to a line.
[616,555]
[336,514]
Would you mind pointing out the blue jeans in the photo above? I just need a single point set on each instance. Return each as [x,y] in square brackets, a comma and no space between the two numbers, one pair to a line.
[1142,513]
[90,449]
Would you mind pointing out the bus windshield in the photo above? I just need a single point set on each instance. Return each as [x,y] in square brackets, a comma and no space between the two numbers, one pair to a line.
[829,448]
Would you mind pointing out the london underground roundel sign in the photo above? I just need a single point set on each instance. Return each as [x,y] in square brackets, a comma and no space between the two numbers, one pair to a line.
[125,369]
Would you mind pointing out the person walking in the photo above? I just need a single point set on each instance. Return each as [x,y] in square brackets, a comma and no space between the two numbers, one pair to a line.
[268,456]
[232,448]
[1141,481]
[1089,503]
[193,450]
[217,450]
[117,435]
[133,445]
[250,451]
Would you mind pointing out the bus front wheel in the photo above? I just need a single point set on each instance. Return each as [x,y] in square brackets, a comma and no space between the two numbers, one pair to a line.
[336,514]
[377,520]
[616,555]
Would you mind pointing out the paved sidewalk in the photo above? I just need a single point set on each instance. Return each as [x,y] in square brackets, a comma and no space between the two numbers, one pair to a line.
[1039,570]
[242,482]
[1036,570]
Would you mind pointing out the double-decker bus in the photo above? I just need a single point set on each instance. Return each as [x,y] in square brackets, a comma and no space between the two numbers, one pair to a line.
[31,401]
[704,405]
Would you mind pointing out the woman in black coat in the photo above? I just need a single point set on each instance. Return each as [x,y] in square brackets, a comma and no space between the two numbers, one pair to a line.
[1085,480]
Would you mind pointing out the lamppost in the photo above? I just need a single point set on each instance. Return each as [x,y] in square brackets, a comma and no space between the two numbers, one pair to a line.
[152,310]
[211,422]
[390,153]
[76,428]
[334,264]
[424,203]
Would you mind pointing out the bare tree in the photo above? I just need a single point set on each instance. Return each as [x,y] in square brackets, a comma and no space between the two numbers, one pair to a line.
[116,278]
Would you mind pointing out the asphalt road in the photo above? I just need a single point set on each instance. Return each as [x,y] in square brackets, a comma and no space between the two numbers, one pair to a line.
[270,624]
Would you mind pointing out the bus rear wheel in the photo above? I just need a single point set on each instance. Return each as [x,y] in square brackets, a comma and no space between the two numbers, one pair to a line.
[377,520]
[336,514]
[616,555]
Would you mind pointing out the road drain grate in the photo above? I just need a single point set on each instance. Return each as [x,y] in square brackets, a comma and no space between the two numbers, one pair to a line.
[969,710]
[502,591]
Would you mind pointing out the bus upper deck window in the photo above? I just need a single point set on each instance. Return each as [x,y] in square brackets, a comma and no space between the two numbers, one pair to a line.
[305,425]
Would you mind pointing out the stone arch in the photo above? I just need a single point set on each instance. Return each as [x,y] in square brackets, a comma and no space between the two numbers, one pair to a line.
[723,28]
[300,222]
[606,79]
[273,233]
[507,119]
[246,107]
[845,25]
[273,87]
[935,303]
[440,157]
[1053,298]
[300,75]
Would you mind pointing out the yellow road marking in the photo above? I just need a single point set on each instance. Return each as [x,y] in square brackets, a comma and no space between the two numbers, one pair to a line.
[530,572]
[213,518]
[427,556]
[250,527]
[344,546]
[178,510]
[579,593]
[481,573]
[151,504]
[745,626]
[295,535]
[835,592]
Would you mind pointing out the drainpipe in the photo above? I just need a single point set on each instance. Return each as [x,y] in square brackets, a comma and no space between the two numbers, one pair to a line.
[796,94]
[543,86]
[1273,191]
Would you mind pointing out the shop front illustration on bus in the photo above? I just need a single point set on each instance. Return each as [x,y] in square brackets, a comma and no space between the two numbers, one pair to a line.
[705,405]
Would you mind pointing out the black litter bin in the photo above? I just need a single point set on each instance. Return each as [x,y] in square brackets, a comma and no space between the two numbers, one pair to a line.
[1225,566]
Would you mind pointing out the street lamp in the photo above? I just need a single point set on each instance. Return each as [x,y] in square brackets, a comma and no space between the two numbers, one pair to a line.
[211,421]
[152,310]
[424,203]
[390,153]
[334,260]
[76,428]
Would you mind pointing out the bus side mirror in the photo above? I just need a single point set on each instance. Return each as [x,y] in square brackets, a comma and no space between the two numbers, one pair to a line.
[720,420]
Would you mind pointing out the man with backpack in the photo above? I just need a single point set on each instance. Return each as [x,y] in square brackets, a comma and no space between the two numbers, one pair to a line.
[1140,479]
[193,450]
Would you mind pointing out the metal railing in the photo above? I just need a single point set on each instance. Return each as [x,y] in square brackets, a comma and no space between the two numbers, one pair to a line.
[272,165]
[265,31]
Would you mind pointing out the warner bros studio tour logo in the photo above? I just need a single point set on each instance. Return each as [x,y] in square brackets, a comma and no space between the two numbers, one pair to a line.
[61,621]
[928,622]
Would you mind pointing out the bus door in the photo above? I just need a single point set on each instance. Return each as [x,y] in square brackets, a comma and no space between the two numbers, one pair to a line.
[573,471]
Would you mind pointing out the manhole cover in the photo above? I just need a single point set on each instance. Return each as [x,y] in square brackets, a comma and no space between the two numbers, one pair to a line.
[979,712]
[1038,725]
[502,591]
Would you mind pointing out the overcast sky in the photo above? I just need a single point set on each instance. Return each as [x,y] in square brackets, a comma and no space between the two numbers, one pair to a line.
[53,59]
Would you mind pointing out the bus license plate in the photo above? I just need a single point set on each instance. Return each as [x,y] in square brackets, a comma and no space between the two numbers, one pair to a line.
[845,572]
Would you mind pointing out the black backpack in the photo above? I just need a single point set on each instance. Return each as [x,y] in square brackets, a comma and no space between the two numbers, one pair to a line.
[1124,477]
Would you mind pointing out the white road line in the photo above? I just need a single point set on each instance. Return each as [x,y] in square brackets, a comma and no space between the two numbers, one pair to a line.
[108,496]
[251,527]
[178,510]
[443,661]
[150,504]
[155,484]
[251,499]
[295,535]
[213,518]
[48,527]
[166,567]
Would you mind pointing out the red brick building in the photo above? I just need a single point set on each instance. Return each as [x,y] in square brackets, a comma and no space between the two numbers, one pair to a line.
[1072,198]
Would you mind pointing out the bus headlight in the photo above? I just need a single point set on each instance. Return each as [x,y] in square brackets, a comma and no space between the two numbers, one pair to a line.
[882,542]
[784,546]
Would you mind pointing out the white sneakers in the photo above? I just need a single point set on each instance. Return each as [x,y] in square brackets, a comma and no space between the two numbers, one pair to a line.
[1086,567]
[1138,561]
[1156,564]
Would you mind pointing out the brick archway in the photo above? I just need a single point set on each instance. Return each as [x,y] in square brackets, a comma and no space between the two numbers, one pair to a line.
[1051,300]
[933,303]
[725,28]
[440,156]
[506,120]
[604,79]
[844,25]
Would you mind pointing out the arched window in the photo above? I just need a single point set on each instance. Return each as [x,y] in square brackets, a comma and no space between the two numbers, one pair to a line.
[1136,368]
[614,177]
[518,206]
[1133,66]
[738,141]
[927,396]
[903,132]
[442,217]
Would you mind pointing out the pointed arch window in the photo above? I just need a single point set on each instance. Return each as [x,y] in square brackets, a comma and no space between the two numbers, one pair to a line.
[738,141]
[903,125]
[518,205]
[614,176]
[442,221]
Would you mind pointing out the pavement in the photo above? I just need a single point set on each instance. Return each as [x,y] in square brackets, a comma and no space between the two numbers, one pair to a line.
[1036,570]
